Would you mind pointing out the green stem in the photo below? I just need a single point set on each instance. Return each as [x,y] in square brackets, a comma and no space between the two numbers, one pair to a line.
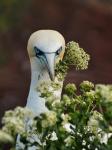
[88,108]
[42,147]
[94,106]
[101,110]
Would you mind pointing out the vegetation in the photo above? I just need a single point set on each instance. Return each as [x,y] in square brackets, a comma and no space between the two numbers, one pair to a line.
[76,122]
[75,56]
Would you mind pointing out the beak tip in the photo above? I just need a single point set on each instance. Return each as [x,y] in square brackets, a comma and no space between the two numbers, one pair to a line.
[52,77]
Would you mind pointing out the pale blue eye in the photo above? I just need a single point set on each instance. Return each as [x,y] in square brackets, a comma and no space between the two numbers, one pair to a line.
[38,52]
[59,51]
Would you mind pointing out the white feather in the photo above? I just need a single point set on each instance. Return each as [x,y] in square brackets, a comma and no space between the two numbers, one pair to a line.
[48,41]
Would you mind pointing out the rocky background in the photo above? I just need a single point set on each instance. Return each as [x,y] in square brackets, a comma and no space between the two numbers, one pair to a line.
[88,22]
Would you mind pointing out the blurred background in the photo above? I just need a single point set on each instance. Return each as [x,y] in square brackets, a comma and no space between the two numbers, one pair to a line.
[88,22]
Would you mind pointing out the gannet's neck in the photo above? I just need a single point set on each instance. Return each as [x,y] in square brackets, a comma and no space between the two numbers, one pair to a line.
[38,75]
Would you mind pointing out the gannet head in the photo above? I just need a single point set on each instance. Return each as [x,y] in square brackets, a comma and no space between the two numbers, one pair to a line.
[47,46]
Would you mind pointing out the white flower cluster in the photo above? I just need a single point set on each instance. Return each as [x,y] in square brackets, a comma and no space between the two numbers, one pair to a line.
[66,125]
[93,126]
[69,140]
[14,123]
[49,119]
[53,136]
[50,90]
[93,122]
[105,91]
[5,137]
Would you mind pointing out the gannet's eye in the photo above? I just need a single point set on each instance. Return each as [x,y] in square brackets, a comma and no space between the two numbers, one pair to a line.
[59,51]
[38,52]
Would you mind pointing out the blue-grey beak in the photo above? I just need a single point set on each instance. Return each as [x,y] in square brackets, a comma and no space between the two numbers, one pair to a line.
[50,63]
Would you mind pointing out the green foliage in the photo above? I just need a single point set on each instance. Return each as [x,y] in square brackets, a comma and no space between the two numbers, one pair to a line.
[86,86]
[70,89]
[75,122]
[74,55]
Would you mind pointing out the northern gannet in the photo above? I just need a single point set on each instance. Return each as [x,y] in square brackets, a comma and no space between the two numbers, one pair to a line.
[45,49]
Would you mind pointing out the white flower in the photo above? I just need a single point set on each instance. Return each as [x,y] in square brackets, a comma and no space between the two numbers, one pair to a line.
[65,117]
[14,121]
[5,137]
[50,119]
[105,91]
[69,140]
[79,134]
[92,138]
[88,146]
[67,127]
[53,136]
[105,137]
[83,142]
[93,123]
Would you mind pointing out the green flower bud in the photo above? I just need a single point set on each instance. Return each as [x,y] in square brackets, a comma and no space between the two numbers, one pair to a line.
[76,56]
[66,100]
[49,119]
[86,86]
[70,89]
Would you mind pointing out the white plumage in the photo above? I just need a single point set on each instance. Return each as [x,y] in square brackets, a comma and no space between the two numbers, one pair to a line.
[45,49]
